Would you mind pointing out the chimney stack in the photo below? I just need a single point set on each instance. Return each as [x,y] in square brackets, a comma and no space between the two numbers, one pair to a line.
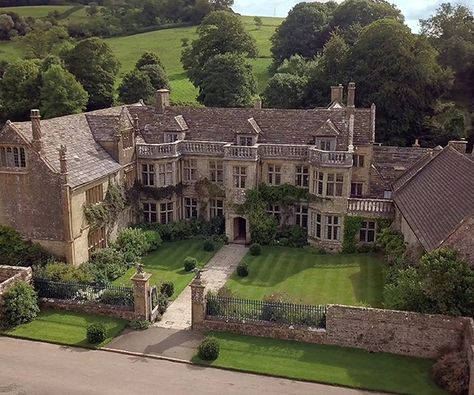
[460,146]
[351,94]
[135,122]
[162,98]
[258,104]
[62,159]
[417,144]
[36,129]
[337,93]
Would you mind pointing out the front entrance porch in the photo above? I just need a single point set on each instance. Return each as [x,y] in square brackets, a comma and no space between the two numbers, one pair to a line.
[240,230]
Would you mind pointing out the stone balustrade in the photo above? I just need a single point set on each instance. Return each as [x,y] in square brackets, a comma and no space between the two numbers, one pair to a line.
[269,151]
[152,151]
[322,158]
[201,148]
[371,207]
[239,152]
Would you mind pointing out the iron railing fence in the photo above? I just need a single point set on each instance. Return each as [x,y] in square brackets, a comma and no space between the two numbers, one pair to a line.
[105,294]
[234,309]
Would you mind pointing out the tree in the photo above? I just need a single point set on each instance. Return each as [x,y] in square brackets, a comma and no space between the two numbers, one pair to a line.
[451,31]
[258,22]
[219,33]
[304,31]
[95,66]
[61,93]
[40,42]
[446,124]
[157,76]
[149,58]
[222,5]
[285,91]
[352,15]
[136,85]
[388,63]
[20,89]
[228,82]
[6,26]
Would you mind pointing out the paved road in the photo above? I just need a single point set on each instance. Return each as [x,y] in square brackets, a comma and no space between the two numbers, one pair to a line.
[39,368]
[214,276]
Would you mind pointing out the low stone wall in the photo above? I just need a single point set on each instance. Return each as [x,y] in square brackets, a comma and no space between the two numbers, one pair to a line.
[396,332]
[124,312]
[274,331]
[469,348]
[9,275]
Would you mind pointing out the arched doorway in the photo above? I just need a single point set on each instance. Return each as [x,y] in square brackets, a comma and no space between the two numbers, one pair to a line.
[240,229]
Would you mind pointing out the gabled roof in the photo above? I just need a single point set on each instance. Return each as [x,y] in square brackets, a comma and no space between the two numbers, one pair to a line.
[327,129]
[87,160]
[277,126]
[438,197]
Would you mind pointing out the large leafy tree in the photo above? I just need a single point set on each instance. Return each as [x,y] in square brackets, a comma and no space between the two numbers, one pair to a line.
[95,66]
[285,90]
[61,93]
[451,30]
[42,41]
[20,89]
[389,63]
[136,85]
[228,82]
[304,32]
[220,32]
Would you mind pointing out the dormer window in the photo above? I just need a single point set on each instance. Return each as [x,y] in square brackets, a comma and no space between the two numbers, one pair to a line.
[245,141]
[12,157]
[171,137]
[325,144]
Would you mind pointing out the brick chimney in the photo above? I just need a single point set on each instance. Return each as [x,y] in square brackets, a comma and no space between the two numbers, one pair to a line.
[36,129]
[351,94]
[337,93]
[460,145]
[162,100]
[258,104]
[62,159]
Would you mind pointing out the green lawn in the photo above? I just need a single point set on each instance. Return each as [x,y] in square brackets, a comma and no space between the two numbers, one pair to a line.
[166,263]
[65,327]
[167,43]
[38,11]
[311,278]
[326,364]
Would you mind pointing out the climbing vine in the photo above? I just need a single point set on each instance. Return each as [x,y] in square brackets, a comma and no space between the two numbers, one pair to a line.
[139,190]
[208,189]
[352,226]
[106,213]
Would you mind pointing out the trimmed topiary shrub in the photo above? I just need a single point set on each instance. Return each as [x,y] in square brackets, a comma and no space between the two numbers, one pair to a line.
[243,270]
[139,325]
[209,245]
[20,304]
[167,288]
[190,263]
[255,249]
[451,372]
[209,349]
[96,333]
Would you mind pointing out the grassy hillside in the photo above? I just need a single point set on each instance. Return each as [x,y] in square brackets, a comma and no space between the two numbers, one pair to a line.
[167,43]
[36,11]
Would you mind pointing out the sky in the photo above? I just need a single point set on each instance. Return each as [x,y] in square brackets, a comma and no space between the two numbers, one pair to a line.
[412,9]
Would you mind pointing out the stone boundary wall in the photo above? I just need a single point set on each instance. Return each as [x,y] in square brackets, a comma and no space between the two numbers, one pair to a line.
[124,312]
[397,332]
[9,275]
[274,331]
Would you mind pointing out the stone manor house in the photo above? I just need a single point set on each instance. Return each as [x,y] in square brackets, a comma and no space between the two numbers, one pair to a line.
[50,168]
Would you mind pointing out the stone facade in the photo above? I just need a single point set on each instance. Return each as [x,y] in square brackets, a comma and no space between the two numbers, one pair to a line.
[9,275]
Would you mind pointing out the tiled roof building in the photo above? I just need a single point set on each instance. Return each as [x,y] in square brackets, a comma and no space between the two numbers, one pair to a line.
[49,169]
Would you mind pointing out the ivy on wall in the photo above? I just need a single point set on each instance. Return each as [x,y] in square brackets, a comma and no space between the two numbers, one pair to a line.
[352,225]
[106,213]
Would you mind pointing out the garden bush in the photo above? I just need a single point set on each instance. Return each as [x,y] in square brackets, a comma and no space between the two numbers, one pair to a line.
[62,272]
[255,249]
[271,311]
[154,240]
[96,333]
[209,245]
[20,304]
[139,325]
[134,242]
[243,270]
[209,349]
[190,263]
[106,265]
[160,300]
[116,298]
[167,289]
[451,372]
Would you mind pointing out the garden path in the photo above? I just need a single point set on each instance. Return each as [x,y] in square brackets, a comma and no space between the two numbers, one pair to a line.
[214,276]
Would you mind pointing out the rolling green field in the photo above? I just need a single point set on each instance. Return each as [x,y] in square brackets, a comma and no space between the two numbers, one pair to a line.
[167,264]
[65,327]
[326,364]
[38,11]
[310,278]
[167,43]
